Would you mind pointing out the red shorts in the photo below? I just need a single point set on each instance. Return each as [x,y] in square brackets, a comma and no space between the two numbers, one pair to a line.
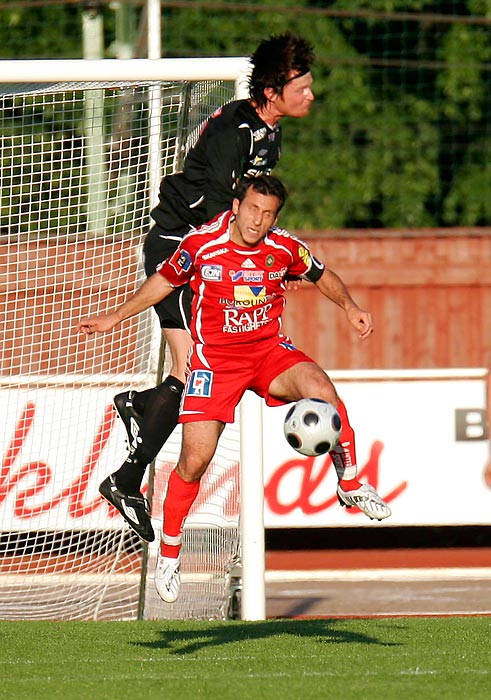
[218,377]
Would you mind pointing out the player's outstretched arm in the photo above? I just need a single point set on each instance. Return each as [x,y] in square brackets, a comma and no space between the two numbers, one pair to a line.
[332,286]
[153,290]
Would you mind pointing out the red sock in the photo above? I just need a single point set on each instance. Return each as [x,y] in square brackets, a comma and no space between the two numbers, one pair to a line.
[177,504]
[344,454]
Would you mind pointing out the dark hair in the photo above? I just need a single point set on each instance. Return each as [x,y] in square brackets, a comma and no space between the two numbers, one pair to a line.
[273,62]
[263,184]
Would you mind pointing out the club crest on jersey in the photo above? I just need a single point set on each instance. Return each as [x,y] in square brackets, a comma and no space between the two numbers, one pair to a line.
[269,262]
[199,383]
[211,273]
[250,295]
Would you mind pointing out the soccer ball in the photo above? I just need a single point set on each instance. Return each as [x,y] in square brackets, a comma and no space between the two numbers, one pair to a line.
[312,427]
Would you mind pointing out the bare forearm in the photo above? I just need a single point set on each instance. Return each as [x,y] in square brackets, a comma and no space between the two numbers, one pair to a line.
[332,287]
[153,290]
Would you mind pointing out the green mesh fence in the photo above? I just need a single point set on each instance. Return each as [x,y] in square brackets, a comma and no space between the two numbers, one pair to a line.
[399,136]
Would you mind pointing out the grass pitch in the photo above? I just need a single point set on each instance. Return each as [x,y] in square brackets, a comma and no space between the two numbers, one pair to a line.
[388,658]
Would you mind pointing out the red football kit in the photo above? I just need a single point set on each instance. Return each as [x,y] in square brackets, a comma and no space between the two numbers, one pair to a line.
[238,299]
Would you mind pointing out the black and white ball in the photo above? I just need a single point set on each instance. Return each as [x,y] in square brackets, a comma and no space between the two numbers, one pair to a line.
[312,427]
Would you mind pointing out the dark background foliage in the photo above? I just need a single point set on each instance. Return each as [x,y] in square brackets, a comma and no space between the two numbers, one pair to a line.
[399,136]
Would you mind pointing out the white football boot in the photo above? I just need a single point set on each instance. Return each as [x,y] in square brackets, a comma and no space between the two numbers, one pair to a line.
[367,500]
[168,578]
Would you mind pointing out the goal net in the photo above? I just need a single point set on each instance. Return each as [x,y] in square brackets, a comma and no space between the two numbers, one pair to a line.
[79,165]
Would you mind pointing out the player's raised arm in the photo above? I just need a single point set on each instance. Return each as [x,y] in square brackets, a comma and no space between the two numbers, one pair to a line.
[153,290]
[332,286]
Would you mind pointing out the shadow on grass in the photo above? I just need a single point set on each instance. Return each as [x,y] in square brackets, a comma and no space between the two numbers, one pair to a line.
[302,608]
[187,638]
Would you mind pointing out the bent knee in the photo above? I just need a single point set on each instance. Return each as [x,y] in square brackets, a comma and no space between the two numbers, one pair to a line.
[191,470]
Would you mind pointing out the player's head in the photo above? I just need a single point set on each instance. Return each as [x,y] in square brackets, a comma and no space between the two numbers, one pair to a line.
[256,206]
[277,62]
[267,185]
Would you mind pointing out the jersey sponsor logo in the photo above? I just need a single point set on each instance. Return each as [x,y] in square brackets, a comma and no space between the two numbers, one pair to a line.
[245,303]
[211,273]
[184,260]
[253,276]
[199,383]
[249,295]
[305,255]
[214,253]
[257,161]
[249,276]
[239,321]
[259,134]
[248,263]
[254,172]
[277,274]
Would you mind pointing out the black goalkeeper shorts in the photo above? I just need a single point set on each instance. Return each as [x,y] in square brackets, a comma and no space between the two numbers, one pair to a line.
[175,310]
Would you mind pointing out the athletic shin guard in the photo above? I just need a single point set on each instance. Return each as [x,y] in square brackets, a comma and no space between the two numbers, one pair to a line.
[344,454]
[177,504]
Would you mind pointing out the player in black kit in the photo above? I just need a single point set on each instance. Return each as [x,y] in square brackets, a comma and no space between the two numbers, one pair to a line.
[242,138]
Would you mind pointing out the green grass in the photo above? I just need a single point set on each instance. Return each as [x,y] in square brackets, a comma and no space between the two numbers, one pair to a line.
[393,658]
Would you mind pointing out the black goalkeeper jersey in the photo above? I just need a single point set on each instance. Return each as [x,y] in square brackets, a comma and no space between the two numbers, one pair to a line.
[233,143]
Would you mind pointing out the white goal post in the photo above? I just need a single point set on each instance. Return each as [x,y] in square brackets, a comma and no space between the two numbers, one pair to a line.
[84,144]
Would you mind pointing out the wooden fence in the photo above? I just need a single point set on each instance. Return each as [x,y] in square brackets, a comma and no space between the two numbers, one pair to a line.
[429,293]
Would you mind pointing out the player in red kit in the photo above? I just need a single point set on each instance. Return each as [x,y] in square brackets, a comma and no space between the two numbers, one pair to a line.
[237,266]
[241,139]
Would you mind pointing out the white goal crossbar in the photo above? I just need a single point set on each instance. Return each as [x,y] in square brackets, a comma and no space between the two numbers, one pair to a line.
[134,69]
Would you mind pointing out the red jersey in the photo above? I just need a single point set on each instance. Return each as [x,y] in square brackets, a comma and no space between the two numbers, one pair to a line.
[238,292]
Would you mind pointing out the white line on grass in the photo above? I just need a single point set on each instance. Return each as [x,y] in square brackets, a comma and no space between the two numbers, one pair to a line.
[442,574]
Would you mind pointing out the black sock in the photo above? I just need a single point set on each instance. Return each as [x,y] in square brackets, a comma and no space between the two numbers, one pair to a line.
[130,475]
[160,419]
[140,399]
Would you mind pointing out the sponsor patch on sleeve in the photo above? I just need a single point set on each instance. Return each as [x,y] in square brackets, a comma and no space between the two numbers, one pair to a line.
[184,260]
[304,255]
